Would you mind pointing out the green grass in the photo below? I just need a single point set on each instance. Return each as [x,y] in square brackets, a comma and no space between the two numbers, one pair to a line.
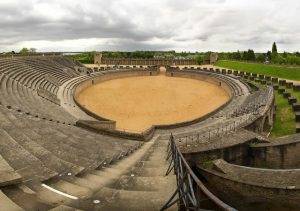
[291,73]
[285,119]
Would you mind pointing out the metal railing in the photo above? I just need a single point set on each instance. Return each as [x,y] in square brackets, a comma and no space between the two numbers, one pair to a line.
[190,192]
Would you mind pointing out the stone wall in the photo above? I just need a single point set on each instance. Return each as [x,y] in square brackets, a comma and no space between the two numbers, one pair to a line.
[283,153]
[245,187]
[113,74]
[99,59]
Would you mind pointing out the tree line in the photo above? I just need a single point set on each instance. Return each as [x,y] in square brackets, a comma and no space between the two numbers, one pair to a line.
[269,57]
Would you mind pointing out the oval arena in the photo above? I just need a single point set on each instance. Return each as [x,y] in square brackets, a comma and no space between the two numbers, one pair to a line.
[138,102]
[139,138]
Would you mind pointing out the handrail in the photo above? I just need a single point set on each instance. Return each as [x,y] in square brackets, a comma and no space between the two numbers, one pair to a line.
[186,179]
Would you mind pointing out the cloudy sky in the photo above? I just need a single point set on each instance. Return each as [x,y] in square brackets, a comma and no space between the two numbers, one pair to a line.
[181,25]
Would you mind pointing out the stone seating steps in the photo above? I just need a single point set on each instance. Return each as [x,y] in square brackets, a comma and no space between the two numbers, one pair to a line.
[136,182]
[8,176]
[16,95]
[239,88]
[254,101]
[58,148]
[38,68]
[217,119]
[66,92]
[21,160]
[7,204]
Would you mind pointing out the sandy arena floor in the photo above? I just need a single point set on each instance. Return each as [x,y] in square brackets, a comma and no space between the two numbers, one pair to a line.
[136,103]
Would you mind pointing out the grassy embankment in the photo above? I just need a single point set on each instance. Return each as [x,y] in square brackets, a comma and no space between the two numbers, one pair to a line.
[285,119]
[291,73]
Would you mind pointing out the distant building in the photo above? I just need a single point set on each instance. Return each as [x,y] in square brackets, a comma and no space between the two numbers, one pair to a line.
[213,57]
[98,58]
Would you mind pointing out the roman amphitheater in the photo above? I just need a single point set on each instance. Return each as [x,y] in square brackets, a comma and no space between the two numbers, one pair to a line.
[143,136]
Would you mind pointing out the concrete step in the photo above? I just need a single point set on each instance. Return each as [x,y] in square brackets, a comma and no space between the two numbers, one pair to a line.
[137,183]
[64,208]
[8,176]
[113,199]
[24,197]
[71,189]
[149,171]
[48,158]
[26,164]
[8,204]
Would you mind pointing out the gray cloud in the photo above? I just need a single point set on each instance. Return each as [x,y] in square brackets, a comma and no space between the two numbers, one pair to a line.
[195,25]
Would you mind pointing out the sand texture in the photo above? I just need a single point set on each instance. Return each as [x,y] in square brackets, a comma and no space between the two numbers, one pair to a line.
[136,103]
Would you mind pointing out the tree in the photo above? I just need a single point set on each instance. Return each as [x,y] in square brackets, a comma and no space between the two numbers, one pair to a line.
[24,51]
[236,55]
[32,50]
[251,55]
[199,59]
[261,57]
[274,53]
[269,55]
[274,48]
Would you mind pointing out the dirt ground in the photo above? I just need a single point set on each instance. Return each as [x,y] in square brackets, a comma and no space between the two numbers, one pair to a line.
[136,103]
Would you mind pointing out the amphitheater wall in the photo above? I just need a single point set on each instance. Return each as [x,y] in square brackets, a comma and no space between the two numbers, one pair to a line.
[237,154]
[131,73]
[105,126]
[202,77]
[242,194]
[265,122]
[283,155]
[102,127]
[110,76]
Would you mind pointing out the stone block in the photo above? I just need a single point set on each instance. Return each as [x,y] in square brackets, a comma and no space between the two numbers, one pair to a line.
[292,100]
[281,90]
[274,80]
[296,87]
[297,127]
[286,94]
[229,71]
[296,106]
[282,82]
[297,116]
[268,78]
[289,85]
[275,86]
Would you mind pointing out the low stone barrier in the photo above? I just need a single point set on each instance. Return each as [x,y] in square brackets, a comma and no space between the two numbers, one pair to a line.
[274,80]
[243,186]
[282,153]
[296,87]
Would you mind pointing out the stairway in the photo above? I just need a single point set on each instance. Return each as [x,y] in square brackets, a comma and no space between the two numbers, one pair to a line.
[136,182]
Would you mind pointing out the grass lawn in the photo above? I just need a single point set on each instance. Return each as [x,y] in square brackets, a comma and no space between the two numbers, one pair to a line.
[285,119]
[292,73]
